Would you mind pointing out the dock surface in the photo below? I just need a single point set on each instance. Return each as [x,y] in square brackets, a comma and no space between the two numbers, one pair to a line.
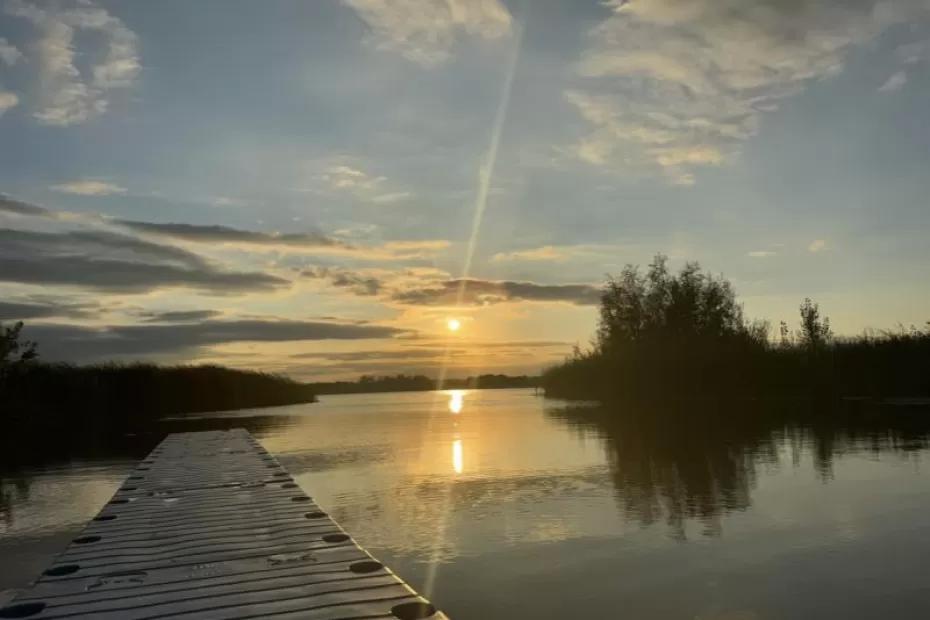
[211,526]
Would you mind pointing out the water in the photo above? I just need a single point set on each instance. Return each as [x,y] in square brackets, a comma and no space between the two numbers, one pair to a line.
[502,504]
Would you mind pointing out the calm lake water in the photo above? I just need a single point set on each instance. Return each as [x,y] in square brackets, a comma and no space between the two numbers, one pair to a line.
[501,504]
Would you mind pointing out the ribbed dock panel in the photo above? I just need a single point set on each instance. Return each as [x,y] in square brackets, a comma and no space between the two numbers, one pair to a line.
[211,526]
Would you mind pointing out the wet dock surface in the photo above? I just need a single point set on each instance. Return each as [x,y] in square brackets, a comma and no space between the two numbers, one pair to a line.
[209,525]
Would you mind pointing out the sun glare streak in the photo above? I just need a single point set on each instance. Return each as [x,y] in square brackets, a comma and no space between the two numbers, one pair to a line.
[456,401]
[458,462]
[485,173]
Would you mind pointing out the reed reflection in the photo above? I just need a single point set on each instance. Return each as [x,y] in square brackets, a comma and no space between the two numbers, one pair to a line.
[686,465]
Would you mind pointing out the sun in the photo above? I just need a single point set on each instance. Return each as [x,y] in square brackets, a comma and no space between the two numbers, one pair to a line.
[454,325]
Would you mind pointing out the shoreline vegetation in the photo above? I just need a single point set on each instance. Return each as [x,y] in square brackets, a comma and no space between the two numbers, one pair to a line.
[106,398]
[664,337]
[368,384]
[60,397]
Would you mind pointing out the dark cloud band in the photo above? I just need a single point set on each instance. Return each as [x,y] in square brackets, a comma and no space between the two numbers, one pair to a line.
[225,234]
[480,292]
[80,343]
[108,261]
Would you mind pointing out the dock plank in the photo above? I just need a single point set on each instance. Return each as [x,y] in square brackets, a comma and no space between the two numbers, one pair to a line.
[209,525]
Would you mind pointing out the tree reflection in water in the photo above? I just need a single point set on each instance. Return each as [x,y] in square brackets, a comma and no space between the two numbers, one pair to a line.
[700,462]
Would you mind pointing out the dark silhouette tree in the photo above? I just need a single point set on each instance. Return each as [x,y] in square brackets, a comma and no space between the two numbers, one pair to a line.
[13,349]
[815,330]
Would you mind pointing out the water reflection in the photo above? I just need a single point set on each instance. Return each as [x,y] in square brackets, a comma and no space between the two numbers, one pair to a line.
[456,401]
[458,463]
[683,466]
[580,499]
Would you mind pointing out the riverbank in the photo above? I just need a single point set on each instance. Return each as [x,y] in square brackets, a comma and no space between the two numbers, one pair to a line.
[114,397]
[368,384]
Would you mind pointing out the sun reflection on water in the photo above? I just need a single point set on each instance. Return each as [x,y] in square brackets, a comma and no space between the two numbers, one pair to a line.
[458,463]
[456,401]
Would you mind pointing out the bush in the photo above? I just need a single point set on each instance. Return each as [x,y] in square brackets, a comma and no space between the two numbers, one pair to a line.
[668,336]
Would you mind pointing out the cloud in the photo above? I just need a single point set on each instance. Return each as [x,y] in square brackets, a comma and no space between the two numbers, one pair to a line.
[89,188]
[761,253]
[359,284]
[80,343]
[425,31]
[545,253]
[68,96]
[308,242]
[396,355]
[9,205]
[671,86]
[350,179]
[391,198]
[347,177]
[8,101]
[895,82]
[22,310]
[817,245]
[435,350]
[483,292]
[180,316]
[9,55]
[914,52]
[417,246]
[108,261]
[225,234]
[314,242]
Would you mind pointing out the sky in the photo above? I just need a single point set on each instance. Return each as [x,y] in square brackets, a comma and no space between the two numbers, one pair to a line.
[318,188]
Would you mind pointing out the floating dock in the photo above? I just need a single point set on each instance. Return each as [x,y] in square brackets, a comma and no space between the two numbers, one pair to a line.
[211,526]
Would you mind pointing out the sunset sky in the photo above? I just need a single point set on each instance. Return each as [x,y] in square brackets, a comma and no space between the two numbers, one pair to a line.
[301,186]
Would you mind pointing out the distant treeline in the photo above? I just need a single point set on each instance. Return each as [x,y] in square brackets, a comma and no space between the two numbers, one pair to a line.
[419,383]
[679,336]
[115,397]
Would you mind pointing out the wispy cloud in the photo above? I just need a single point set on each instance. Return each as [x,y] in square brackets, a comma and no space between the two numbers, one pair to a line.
[87,187]
[66,95]
[8,101]
[9,205]
[73,342]
[225,234]
[425,31]
[346,177]
[914,52]
[22,309]
[357,283]
[112,262]
[676,85]
[311,242]
[893,83]
[485,292]
[180,316]
[544,253]
[391,198]
[9,54]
